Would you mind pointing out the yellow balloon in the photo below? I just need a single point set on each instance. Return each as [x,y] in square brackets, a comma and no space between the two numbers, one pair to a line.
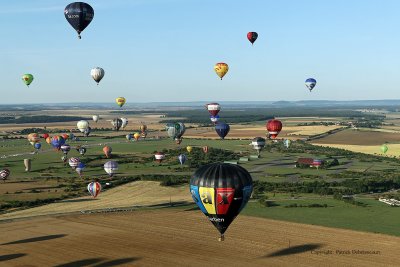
[189,149]
[221,69]
[120,101]
[136,136]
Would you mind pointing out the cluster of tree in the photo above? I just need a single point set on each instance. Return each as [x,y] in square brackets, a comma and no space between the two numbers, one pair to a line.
[39,119]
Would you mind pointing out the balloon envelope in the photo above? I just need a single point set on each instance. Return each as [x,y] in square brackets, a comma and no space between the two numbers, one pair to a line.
[222,129]
[107,151]
[95,118]
[274,127]
[221,69]
[221,191]
[82,125]
[384,149]
[94,189]
[79,15]
[111,167]
[252,37]
[97,74]
[182,159]
[4,173]
[311,83]
[116,123]
[120,101]
[27,79]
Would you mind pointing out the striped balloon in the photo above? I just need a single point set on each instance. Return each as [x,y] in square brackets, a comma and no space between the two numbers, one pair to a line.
[94,188]
[111,167]
[74,162]
[4,173]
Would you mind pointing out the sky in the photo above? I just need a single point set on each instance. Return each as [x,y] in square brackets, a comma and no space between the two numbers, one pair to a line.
[165,50]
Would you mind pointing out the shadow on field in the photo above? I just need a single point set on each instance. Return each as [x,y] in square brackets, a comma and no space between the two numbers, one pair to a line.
[193,208]
[11,256]
[293,250]
[78,200]
[81,263]
[116,262]
[34,239]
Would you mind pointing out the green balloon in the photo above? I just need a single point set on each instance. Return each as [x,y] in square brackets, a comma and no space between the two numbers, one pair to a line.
[384,149]
[27,79]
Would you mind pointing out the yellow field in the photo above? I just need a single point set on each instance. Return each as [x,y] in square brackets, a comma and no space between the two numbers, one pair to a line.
[394,149]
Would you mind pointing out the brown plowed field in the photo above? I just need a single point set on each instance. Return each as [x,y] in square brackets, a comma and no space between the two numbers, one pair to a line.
[177,237]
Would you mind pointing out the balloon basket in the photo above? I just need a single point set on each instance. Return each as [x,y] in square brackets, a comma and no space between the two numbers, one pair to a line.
[221,238]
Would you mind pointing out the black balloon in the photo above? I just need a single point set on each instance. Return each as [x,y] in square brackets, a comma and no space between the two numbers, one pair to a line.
[221,191]
[79,15]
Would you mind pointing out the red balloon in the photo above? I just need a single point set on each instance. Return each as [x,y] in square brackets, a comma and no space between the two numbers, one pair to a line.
[205,149]
[274,127]
[44,136]
[213,108]
[252,36]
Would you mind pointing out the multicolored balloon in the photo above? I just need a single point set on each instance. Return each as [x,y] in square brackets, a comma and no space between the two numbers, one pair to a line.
[213,108]
[94,189]
[128,137]
[252,37]
[27,79]
[159,156]
[79,15]
[311,83]
[176,131]
[221,191]
[57,141]
[120,101]
[221,69]
[214,119]
[74,162]
[4,174]
[33,138]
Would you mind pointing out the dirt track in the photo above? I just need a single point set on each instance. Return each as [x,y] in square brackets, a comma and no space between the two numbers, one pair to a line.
[172,237]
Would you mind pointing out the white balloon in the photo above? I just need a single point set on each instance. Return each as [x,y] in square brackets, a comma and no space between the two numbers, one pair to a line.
[97,74]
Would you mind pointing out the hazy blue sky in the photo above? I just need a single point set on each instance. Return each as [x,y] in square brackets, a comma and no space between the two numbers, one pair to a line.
[165,50]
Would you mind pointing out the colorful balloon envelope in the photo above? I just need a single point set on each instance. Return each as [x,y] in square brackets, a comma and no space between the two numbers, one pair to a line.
[143,128]
[27,79]
[252,37]
[214,119]
[107,151]
[221,191]
[274,127]
[57,141]
[111,167]
[136,136]
[37,146]
[176,130]
[116,123]
[4,174]
[205,149]
[79,169]
[44,136]
[65,136]
[33,138]
[74,162]
[97,74]
[221,69]
[182,158]
[129,137]
[222,129]
[65,148]
[213,108]
[311,83]
[64,158]
[79,15]
[94,189]
[189,149]
[159,156]
[120,101]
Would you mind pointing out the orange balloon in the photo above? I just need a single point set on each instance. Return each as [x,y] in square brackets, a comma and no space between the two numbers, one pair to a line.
[107,151]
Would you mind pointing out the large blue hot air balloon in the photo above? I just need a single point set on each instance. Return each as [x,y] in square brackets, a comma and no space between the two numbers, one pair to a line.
[79,15]
[221,191]
[37,146]
[222,129]
[311,83]
[182,158]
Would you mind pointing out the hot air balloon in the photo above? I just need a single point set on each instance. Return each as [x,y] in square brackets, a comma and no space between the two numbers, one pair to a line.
[252,36]
[159,156]
[116,123]
[258,144]
[136,136]
[74,162]
[205,149]
[286,143]
[143,130]
[176,131]
[107,151]
[124,122]
[79,169]
[95,118]
[222,129]
[214,119]
[82,125]
[82,150]
[45,135]
[79,15]
[94,189]
[97,74]
[57,141]
[87,131]
[311,83]
[213,108]
[64,158]
[37,146]
[27,164]
[48,140]
[182,159]
[189,149]
[274,127]
[71,136]
[384,148]
[27,79]
[129,137]
[33,138]
[65,136]
[221,191]
[4,173]
[65,149]
[221,69]
[120,101]
[111,167]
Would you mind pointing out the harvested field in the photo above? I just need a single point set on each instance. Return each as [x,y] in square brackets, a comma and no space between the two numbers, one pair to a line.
[176,237]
